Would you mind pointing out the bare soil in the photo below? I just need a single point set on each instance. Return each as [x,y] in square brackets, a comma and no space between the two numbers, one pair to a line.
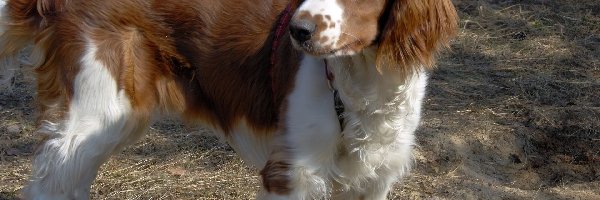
[513,112]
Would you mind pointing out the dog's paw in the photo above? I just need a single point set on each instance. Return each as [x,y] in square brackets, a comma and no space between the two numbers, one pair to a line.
[276,177]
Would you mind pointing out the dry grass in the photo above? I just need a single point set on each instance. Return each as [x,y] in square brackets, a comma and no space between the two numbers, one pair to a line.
[513,112]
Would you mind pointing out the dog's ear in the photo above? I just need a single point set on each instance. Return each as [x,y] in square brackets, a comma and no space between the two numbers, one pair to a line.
[413,31]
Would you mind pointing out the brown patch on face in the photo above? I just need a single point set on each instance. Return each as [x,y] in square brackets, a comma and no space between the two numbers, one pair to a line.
[323,39]
[322,22]
[321,26]
[359,26]
[360,23]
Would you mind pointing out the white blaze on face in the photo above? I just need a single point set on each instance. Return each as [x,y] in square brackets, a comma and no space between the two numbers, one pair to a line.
[332,13]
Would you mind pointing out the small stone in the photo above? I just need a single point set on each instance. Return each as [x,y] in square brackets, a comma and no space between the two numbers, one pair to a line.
[515,159]
[177,171]
[13,152]
[15,128]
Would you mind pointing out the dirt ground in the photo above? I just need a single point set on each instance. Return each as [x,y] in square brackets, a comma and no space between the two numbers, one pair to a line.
[512,112]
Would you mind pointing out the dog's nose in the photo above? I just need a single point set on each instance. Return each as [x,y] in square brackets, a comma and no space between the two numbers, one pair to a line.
[302,30]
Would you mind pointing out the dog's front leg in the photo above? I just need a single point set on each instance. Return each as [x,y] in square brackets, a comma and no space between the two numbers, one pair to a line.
[307,141]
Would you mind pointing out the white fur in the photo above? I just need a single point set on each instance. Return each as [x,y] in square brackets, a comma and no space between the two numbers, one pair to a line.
[382,111]
[312,131]
[329,8]
[98,114]
[374,150]
[254,148]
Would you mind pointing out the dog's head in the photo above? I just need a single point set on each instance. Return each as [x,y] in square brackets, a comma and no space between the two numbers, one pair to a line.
[405,32]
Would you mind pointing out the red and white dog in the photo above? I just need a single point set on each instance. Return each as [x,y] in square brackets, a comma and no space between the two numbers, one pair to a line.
[106,67]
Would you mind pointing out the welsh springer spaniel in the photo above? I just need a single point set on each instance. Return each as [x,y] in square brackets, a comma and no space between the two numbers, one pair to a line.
[105,68]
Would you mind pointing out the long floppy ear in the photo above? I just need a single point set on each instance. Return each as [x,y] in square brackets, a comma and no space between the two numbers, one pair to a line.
[414,32]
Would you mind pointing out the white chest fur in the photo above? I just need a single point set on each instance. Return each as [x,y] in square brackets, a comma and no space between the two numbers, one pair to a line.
[382,111]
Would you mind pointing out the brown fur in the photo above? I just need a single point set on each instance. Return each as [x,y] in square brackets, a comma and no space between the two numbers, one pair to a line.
[275,177]
[414,31]
[360,22]
[208,61]
[408,32]
[175,56]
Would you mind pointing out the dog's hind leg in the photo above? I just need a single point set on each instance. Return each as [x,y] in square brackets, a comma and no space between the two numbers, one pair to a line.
[97,121]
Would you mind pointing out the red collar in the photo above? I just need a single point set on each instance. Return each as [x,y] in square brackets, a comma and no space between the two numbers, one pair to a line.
[282,25]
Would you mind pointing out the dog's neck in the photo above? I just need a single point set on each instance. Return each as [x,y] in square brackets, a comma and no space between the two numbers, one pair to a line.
[382,110]
[365,88]
[381,106]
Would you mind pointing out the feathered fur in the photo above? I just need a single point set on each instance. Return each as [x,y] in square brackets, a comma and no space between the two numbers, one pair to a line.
[104,68]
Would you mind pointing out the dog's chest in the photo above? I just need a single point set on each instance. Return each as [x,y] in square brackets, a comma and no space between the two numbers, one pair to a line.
[378,104]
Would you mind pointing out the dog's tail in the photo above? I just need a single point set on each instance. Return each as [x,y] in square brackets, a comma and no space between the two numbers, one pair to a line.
[21,25]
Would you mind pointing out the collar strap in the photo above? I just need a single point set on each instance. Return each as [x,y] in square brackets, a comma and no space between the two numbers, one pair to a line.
[282,25]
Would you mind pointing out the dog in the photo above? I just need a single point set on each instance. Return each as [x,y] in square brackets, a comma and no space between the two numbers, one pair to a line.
[266,76]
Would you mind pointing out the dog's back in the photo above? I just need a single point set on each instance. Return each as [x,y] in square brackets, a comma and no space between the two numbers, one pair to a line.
[175,56]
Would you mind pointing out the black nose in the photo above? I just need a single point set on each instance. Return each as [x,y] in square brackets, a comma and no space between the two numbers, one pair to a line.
[302,30]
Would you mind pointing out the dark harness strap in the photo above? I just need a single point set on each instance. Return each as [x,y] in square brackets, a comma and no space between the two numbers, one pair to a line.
[282,25]
[338,104]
